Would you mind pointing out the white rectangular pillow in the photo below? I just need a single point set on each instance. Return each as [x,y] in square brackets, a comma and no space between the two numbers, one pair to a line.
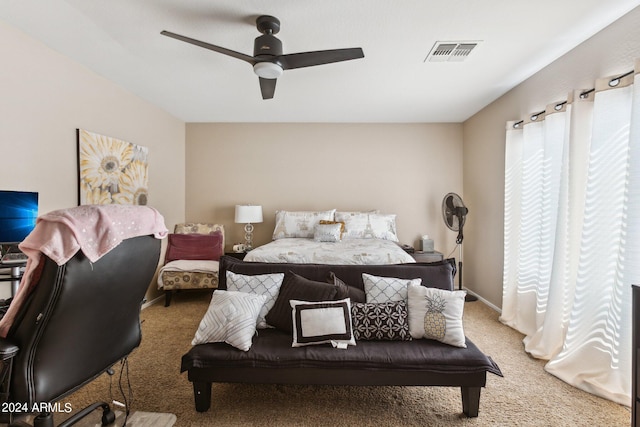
[299,223]
[368,225]
[322,322]
[328,233]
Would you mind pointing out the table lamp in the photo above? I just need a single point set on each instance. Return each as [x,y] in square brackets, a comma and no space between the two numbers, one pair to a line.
[248,215]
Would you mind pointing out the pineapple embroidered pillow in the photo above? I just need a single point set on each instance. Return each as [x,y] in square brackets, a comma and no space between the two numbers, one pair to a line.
[436,314]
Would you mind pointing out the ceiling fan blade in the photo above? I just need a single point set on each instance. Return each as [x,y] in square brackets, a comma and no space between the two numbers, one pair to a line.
[267,87]
[209,46]
[308,59]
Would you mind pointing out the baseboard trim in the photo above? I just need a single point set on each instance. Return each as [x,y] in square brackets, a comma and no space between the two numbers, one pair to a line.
[153,301]
[484,301]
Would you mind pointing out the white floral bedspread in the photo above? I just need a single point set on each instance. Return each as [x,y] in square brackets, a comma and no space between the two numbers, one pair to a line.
[350,251]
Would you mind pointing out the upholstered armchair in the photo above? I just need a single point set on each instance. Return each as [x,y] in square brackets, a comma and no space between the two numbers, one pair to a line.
[191,260]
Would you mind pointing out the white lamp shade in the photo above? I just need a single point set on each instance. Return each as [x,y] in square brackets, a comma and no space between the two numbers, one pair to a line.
[248,214]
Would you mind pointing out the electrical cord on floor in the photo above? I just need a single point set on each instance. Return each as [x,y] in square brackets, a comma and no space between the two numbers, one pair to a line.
[126,397]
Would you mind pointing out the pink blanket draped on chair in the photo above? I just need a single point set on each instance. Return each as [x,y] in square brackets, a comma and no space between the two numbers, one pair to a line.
[93,229]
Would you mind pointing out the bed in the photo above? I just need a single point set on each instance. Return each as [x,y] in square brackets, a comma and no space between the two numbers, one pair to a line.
[332,237]
[308,251]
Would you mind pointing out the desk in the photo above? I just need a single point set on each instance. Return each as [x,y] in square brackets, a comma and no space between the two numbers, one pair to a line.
[13,275]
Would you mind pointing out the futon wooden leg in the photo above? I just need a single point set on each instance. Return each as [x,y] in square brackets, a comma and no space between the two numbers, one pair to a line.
[202,395]
[470,401]
[167,298]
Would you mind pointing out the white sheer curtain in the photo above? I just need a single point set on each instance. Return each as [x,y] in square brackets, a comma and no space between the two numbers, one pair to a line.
[572,236]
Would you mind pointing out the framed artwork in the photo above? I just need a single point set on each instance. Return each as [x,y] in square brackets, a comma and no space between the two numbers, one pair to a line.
[111,171]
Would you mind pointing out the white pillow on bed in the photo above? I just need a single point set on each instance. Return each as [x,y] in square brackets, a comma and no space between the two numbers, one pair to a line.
[299,223]
[367,225]
[328,232]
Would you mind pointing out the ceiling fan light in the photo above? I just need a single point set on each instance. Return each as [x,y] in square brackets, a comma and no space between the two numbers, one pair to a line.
[267,70]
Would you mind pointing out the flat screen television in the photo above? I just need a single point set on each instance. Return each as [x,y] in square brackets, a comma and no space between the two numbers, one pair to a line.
[18,213]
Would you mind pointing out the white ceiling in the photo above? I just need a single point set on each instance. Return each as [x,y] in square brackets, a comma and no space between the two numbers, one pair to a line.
[120,39]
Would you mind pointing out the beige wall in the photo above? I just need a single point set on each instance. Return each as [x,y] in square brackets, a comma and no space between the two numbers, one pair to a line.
[398,168]
[404,169]
[45,96]
[609,52]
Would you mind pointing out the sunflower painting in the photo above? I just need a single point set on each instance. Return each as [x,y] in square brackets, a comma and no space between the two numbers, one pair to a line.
[111,171]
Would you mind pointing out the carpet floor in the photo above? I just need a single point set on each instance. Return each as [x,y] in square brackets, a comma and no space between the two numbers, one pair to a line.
[526,396]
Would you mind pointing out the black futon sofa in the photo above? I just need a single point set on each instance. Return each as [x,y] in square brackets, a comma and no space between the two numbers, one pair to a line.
[272,359]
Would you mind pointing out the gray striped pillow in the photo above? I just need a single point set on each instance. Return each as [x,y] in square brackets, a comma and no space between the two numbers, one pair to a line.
[231,318]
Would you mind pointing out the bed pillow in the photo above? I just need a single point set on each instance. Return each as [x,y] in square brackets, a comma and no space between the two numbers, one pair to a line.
[388,321]
[231,318]
[436,314]
[328,233]
[342,214]
[299,223]
[194,247]
[295,287]
[260,284]
[367,225]
[322,322]
[384,226]
[379,289]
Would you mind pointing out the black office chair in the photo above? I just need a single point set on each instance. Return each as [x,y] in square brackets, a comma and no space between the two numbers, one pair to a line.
[79,321]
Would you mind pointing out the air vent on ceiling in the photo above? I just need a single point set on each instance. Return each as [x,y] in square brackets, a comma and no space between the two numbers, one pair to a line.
[450,51]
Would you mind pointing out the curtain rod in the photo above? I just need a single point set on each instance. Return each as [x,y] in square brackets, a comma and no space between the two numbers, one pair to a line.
[615,81]
[533,118]
[612,83]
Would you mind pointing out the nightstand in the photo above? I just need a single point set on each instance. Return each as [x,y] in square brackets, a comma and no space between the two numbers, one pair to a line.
[238,255]
[420,256]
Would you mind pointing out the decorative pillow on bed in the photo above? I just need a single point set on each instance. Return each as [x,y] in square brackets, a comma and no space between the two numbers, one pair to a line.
[231,318]
[260,284]
[324,221]
[322,322]
[295,287]
[436,314]
[194,246]
[380,289]
[365,225]
[387,321]
[328,233]
[299,223]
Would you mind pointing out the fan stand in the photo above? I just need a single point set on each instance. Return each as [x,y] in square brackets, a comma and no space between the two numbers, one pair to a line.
[468,297]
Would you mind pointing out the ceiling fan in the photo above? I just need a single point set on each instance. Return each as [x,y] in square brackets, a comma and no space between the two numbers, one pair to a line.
[268,61]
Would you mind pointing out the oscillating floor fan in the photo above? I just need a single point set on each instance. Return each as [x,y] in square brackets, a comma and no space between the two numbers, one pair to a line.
[455,213]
